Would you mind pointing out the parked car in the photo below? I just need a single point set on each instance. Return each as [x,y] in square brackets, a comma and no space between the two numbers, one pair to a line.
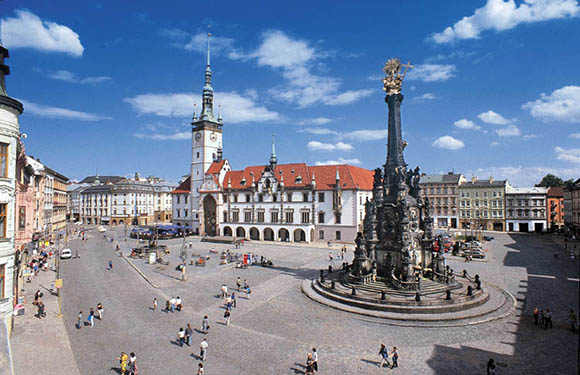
[475,244]
[101,229]
[65,254]
[476,254]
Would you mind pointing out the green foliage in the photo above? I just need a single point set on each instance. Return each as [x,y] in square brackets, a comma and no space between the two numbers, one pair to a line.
[550,180]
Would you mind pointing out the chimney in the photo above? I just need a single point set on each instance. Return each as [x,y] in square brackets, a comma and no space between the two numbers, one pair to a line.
[450,173]
[473,179]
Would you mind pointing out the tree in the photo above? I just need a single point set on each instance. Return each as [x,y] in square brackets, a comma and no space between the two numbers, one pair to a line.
[550,180]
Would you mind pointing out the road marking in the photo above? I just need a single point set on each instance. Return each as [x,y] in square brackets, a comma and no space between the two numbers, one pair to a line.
[542,276]
[571,279]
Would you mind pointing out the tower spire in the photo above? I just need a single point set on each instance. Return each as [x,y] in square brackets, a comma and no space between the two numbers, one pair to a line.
[273,158]
[207,98]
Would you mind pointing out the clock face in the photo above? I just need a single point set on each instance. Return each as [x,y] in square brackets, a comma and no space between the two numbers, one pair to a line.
[213,137]
[197,136]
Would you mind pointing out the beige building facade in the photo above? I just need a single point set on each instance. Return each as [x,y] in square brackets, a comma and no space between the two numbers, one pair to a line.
[443,194]
[482,204]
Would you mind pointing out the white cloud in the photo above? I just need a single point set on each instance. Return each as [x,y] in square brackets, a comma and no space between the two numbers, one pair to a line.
[27,30]
[491,117]
[521,176]
[509,131]
[165,137]
[60,113]
[295,59]
[315,121]
[432,72]
[466,124]
[66,76]
[571,155]
[319,146]
[500,15]
[363,135]
[426,96]
[235,108]
[449,143]
[319,131]
[494,144]
[530,136]
[340,160]
[575,136]
[561,105]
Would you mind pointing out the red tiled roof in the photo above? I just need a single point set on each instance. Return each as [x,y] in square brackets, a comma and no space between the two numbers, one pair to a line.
[215,167]
[556,191]
[184,187]
[325,175]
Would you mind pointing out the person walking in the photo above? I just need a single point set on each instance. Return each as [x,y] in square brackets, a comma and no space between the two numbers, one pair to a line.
[205,324]
[178,304]
[188,333]
[314,360]
[132,364]
[91,317]
[110,264]
[395,357]
[203,349]
[227,315]
[491,367]
[80,320]
[100,310]
[536,315]
[229,303]
[239,283]
[224,291]
[41,312]
[123,360]
[172,302]
[542,318]
[548,319]
[384,353]
[200,369]
[233,298]
[154,304]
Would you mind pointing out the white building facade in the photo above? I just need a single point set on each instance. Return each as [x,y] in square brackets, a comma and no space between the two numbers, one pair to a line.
[526,209]
[10,110]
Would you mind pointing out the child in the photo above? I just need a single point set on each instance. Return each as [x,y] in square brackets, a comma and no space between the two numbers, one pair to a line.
[395,357]
[227,317]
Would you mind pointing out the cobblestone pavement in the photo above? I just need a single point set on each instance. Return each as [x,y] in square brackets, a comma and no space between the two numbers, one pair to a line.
[272,332]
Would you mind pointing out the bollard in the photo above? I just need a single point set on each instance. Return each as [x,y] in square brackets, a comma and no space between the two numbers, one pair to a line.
[417,297]
[478,284]
[448,295]
[353,292]
[329,268]
[322,279]
[469,290]
[333,285]
[383,295]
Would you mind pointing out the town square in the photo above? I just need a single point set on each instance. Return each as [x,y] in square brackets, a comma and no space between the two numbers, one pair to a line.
[394,187]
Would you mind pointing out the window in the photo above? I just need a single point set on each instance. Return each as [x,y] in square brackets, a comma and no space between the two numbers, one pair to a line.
[337,235]
[462,195]
[22,218]
[247,216]
[185,212]
[2,279]
[248,198]
[275,198]
[225,198]
[337,218]
[225,216]
[198,155]
[290,216]
[3,208]
[320,217]
[289,199]
[304,197]
[305,217]
[235,198]
[320,234]
[3,159]
[260,216]
[260,197]
[235,216]
[185,198]
[177,200]
[274,216]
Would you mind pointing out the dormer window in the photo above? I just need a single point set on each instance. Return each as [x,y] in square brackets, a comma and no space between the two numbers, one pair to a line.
[298,179]
[243,181]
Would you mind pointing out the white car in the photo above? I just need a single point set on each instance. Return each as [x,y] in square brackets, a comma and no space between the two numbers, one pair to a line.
[101,229]
[65,254]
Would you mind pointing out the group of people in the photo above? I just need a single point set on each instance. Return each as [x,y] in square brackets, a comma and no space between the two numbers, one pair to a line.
[171,304]
[311,362]
[91,317]
[242,286]
[128,363]
[542,318]
[385,354]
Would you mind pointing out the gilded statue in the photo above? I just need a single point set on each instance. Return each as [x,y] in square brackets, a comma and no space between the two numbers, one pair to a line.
[393,80]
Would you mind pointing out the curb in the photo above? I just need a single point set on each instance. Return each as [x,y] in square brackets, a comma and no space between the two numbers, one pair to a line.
[308,291]
[139,272]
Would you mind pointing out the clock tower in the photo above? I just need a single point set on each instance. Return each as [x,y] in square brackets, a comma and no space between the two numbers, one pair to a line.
[206,132]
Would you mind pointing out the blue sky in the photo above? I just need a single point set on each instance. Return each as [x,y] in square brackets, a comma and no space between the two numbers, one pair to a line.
[111,85]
